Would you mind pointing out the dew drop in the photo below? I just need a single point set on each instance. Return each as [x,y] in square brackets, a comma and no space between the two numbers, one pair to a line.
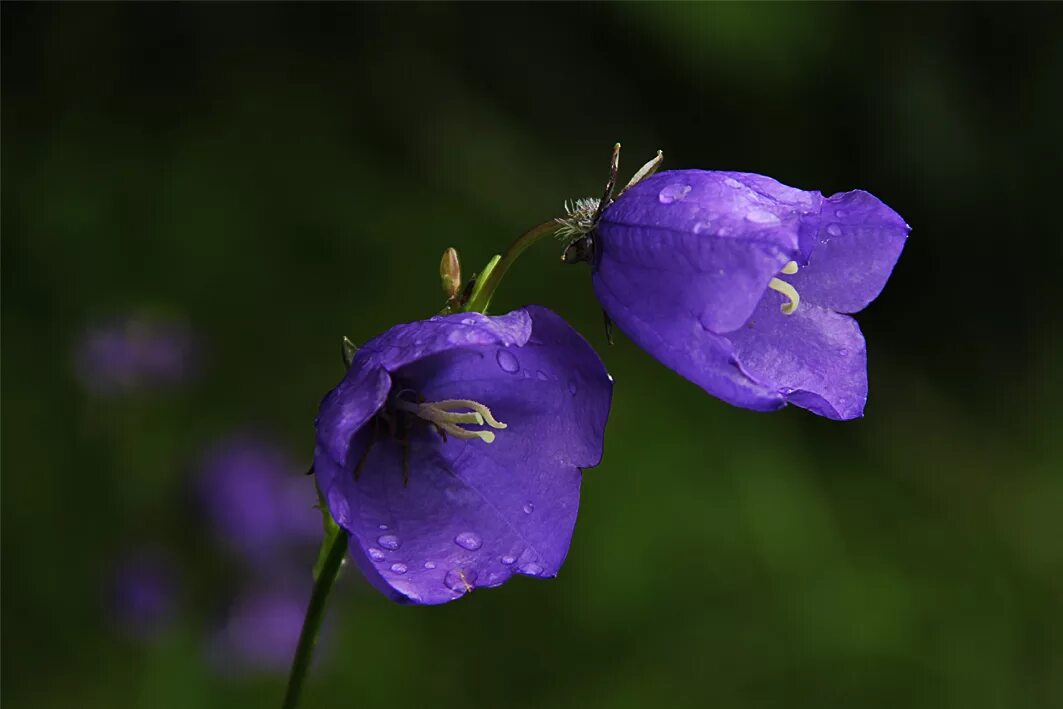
[572,387]
[389,542]
[843,352]
[528,508]
[507,361]
[542,376]
[375,554]
[429,564]
[398,567]
[460,580]
[468,321]
[834,230]
[702,226]
[673,193]
[381,527]
[724,231]
[508,560]
[840,213]
[732,183]
[531,569]
[469,540]
[761,216]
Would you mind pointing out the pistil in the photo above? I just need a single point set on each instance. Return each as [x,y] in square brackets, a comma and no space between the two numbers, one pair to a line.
[449,415]
[781,286]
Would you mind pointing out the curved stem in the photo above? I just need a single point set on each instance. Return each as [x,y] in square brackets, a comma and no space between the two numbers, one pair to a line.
[481,296]
[334,547]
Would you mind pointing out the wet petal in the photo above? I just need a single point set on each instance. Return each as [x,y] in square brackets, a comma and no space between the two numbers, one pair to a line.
[857,241]
[473,513]
[695,243]
[679,341]
[815,358]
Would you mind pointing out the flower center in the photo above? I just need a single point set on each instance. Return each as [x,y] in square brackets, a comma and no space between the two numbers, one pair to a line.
[781,286]
[449,415]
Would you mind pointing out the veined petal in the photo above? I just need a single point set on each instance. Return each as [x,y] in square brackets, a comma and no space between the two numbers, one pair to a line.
[857,241]
[697,243]
[680,342]
[815,358]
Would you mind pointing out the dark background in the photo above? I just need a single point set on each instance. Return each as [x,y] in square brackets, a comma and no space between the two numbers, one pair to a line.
[281,175]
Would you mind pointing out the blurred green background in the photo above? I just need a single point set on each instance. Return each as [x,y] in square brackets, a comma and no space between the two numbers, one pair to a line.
[277,176]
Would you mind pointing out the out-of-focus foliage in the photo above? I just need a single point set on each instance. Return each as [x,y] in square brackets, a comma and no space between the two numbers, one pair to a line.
[277,176]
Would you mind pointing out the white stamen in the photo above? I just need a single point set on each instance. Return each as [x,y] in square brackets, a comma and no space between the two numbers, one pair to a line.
[444,416]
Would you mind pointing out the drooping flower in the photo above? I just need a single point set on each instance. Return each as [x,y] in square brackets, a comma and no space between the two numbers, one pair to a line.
[257,501]
[135,353]
[744,286]
[452,450]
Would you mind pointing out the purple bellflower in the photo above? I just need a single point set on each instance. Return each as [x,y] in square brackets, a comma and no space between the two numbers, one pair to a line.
[258,503]
[744,286]
[260,632]
[135,353]
[452,450]
[143,593]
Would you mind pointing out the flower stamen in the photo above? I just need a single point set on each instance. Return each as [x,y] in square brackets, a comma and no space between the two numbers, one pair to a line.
[449,415]
[781,286]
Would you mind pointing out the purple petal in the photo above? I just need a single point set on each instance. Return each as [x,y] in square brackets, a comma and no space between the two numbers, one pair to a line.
[474,513]
[364,389]
[697,243]
[815,357]
[680,342]
[858,240]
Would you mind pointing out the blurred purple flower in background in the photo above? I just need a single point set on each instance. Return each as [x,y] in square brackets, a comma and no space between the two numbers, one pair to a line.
[452,450]
[260,630]
[258,502]
[743,285]
[135,353]
[143,593]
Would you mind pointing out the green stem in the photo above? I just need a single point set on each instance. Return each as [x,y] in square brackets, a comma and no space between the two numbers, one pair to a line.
[333,549]
[481,296]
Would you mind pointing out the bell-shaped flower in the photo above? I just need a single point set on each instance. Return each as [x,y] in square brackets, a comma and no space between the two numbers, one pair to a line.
[452,450]
[744,285]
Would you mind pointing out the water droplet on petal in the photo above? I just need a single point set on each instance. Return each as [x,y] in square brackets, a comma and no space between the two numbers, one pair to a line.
[460,580]
[572,387]
[732,183]
[531,569]
[528,508]
[542,376]
[840,213]
[761,216]
[834,230]
[843,352]
[398,568]
[375,554]
[389,542]
[673,193]
[724,231]
[507,361]
[508,560]
[468,321]
[702,226]
[429,564]
[381,527]
[469,540]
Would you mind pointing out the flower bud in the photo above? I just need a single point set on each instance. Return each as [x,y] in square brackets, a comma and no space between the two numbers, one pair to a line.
[450,274]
